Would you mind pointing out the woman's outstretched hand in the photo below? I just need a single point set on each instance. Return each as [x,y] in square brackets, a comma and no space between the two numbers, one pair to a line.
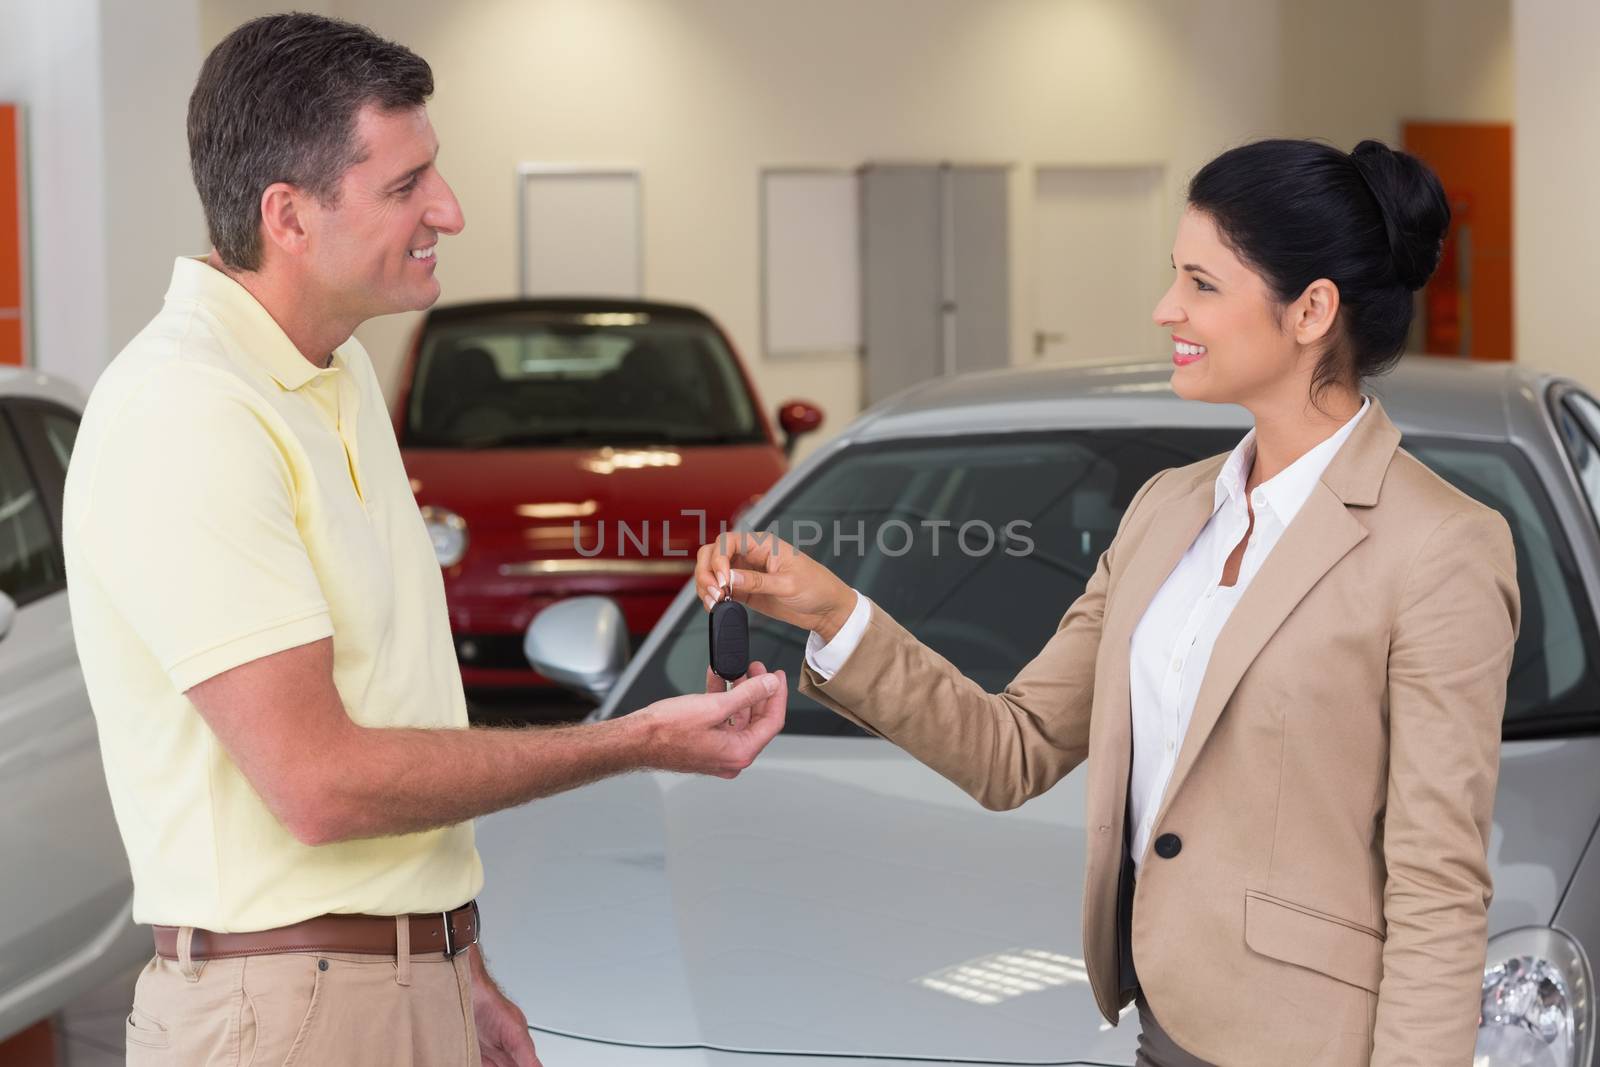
[769,575]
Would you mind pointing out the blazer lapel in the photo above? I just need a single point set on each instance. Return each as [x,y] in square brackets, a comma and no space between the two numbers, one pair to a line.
[1171,530]
[1318,537]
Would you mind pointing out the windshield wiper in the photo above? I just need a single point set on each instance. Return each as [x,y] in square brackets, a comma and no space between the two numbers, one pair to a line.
[536,437]
[625,438]
[713,438]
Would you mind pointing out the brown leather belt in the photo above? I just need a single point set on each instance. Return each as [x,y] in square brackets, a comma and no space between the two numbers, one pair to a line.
[449,932]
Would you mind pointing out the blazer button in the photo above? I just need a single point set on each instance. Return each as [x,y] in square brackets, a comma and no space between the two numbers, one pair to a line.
[1168,846]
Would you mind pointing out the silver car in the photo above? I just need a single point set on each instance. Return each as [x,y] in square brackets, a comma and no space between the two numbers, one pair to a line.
[65,891]
[841,901]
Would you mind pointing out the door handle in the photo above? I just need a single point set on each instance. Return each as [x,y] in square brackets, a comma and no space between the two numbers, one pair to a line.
[1041,338]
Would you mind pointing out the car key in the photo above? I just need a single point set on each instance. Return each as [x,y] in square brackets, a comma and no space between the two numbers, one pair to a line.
[729,632]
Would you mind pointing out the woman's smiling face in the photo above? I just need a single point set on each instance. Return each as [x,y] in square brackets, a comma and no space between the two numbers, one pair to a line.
[1232,341]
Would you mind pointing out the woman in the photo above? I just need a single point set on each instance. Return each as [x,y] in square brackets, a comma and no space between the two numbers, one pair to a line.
[1286,674]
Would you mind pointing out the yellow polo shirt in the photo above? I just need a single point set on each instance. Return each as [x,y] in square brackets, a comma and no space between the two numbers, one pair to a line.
[227,500]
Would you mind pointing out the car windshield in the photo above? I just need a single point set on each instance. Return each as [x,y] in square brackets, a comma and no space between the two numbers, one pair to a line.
[531,380]
[941,551]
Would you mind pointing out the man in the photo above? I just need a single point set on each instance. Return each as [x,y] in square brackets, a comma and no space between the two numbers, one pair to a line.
[260,617]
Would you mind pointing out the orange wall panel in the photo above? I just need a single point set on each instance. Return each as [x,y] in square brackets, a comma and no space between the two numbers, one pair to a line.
[1467,306]
[12,252]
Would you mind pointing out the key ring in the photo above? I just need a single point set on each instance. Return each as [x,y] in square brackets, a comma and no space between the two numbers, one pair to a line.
[722,594]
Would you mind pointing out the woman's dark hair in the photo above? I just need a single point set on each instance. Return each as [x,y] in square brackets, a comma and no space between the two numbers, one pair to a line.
[1372,222]
[276,101]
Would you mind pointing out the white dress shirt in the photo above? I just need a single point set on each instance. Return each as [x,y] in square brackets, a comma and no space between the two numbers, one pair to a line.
[1172,643]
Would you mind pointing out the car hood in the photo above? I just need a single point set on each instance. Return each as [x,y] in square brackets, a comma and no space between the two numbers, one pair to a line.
[827,900]
[818,904]
[502,492]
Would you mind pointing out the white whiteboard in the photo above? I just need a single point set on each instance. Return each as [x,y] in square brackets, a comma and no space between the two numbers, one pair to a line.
[811,261]
[581,231]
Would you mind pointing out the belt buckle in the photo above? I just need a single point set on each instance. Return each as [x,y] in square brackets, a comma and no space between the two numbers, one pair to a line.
[451,949]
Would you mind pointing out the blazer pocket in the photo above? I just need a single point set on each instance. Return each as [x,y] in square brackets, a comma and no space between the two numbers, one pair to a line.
[1305,937]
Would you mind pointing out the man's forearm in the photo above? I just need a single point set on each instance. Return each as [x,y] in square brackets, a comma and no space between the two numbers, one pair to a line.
[396,781]
[283,722]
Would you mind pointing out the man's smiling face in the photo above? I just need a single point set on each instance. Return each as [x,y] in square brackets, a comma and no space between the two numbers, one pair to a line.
[374,252]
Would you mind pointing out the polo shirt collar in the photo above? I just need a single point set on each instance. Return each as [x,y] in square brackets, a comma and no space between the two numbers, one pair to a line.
[255,331]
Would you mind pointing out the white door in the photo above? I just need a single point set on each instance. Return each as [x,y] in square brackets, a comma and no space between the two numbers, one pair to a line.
[936,273]
[1101,263]
[581,232]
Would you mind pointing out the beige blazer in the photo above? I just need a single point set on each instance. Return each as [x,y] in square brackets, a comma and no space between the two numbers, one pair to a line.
[1331,802]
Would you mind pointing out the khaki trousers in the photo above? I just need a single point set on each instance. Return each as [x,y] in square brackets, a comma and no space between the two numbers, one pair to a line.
[297,1009]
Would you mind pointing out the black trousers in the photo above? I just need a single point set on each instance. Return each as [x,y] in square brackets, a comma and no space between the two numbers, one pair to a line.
[1156,1049]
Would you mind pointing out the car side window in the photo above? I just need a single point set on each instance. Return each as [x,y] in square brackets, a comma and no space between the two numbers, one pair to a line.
[48,432]
[1578,422]
[1554,684]
[60,432]
[30,558]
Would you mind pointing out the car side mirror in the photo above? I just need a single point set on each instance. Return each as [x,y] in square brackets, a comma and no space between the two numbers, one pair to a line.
[797,417]
[580,644]
[8,614]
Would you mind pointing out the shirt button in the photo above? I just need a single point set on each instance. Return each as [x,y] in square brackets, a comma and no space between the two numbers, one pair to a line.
[1169,744]
[1177,664]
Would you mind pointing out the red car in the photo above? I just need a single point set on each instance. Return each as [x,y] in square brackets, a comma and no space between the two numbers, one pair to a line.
[563,447]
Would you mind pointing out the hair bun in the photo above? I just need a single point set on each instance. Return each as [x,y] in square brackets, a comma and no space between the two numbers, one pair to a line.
[1415,212]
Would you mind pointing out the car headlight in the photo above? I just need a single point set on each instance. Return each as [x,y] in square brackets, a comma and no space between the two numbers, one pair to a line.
[1538,1005]
[448,532]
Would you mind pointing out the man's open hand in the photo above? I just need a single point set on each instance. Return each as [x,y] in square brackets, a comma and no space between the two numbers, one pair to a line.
[721,731]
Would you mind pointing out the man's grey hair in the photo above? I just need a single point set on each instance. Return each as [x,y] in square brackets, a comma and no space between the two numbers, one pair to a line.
[277,101]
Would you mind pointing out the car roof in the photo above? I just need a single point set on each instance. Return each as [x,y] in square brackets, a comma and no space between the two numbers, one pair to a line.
[1426,394]
[36,385]
[564,305]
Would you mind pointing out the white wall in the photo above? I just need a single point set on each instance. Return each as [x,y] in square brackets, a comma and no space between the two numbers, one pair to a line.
[1361,69]
[149,64]
[1557,211]
[701,94]
[103,86]
[1351,70]
[219,17]
[1468,62]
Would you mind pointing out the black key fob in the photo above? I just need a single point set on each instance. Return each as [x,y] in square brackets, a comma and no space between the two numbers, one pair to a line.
[730,640]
